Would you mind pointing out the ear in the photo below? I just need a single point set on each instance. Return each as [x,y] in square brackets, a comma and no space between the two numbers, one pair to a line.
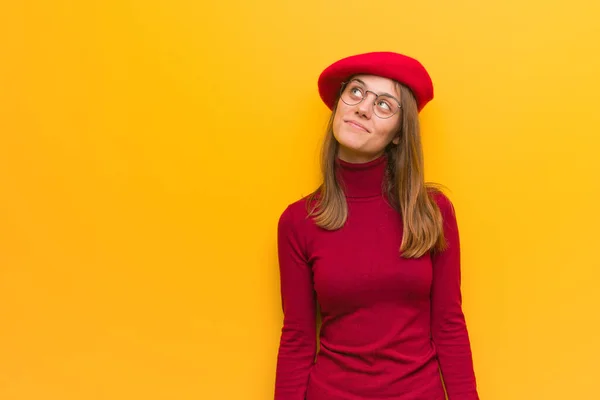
[396,140]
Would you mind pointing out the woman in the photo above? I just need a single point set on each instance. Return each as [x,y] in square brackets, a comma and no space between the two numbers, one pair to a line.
[376,248]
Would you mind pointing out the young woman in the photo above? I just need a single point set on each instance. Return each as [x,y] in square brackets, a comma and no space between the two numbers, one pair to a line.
[376,249]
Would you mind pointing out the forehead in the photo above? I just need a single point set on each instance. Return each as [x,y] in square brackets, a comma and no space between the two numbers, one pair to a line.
[378,84]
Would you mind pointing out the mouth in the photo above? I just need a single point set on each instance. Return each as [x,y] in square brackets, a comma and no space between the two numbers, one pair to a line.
[356,125]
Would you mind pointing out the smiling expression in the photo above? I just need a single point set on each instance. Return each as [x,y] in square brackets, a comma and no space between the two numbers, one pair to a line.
[362,135]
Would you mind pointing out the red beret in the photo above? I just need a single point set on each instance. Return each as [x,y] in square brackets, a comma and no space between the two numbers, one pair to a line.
[398,67]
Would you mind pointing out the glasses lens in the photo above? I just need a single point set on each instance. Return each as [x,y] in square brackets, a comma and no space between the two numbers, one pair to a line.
[385,107]
[352,94]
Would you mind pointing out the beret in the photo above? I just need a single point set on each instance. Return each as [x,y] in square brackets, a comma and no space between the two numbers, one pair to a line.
[398,67]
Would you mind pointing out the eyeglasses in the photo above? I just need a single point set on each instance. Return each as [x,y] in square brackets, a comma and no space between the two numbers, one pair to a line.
[353,92]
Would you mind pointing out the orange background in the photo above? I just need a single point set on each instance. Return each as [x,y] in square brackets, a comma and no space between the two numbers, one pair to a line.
[147,149]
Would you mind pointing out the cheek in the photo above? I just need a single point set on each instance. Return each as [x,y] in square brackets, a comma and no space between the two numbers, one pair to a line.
[387,130]
[338,119]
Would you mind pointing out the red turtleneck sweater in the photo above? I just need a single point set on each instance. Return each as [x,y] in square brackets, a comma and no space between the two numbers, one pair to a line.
[390,326]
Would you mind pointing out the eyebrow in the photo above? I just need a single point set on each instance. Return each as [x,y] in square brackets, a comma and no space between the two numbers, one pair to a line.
[380,94]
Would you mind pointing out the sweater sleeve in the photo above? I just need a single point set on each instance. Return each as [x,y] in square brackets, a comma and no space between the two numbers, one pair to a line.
[297,348]
[448,326]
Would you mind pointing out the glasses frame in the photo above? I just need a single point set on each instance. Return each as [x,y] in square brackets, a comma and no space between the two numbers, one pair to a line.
[343,86]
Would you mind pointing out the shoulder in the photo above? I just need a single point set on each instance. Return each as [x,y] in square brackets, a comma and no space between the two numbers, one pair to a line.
[449,223]
[294,214]
[441,199]
[443,202]
[293,227]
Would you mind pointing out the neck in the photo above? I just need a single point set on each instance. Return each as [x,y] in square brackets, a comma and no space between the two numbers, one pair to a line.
[362,179]
[356,157]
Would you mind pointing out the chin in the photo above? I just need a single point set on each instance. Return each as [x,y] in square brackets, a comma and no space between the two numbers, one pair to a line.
[353,153]
[350,145]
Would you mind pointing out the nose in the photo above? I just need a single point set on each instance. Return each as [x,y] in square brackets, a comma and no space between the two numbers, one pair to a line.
[365,107]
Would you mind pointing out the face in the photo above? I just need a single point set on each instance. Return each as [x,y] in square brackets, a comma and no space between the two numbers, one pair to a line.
[361,134]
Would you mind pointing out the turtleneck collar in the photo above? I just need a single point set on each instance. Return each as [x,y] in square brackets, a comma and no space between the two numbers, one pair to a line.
[362,179]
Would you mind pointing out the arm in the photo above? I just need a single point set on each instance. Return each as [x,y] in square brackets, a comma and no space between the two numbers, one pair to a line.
[297,347]
[448,327]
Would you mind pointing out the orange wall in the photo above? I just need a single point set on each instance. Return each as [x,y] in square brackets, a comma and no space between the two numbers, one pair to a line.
[147,149]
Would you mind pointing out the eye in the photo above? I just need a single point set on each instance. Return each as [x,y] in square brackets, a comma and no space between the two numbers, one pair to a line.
[385,104]
[356,91]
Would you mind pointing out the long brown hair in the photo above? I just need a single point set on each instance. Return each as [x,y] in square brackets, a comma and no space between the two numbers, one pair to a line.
[407,190]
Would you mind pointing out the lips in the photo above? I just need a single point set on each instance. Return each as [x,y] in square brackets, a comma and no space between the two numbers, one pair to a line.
[356,125]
